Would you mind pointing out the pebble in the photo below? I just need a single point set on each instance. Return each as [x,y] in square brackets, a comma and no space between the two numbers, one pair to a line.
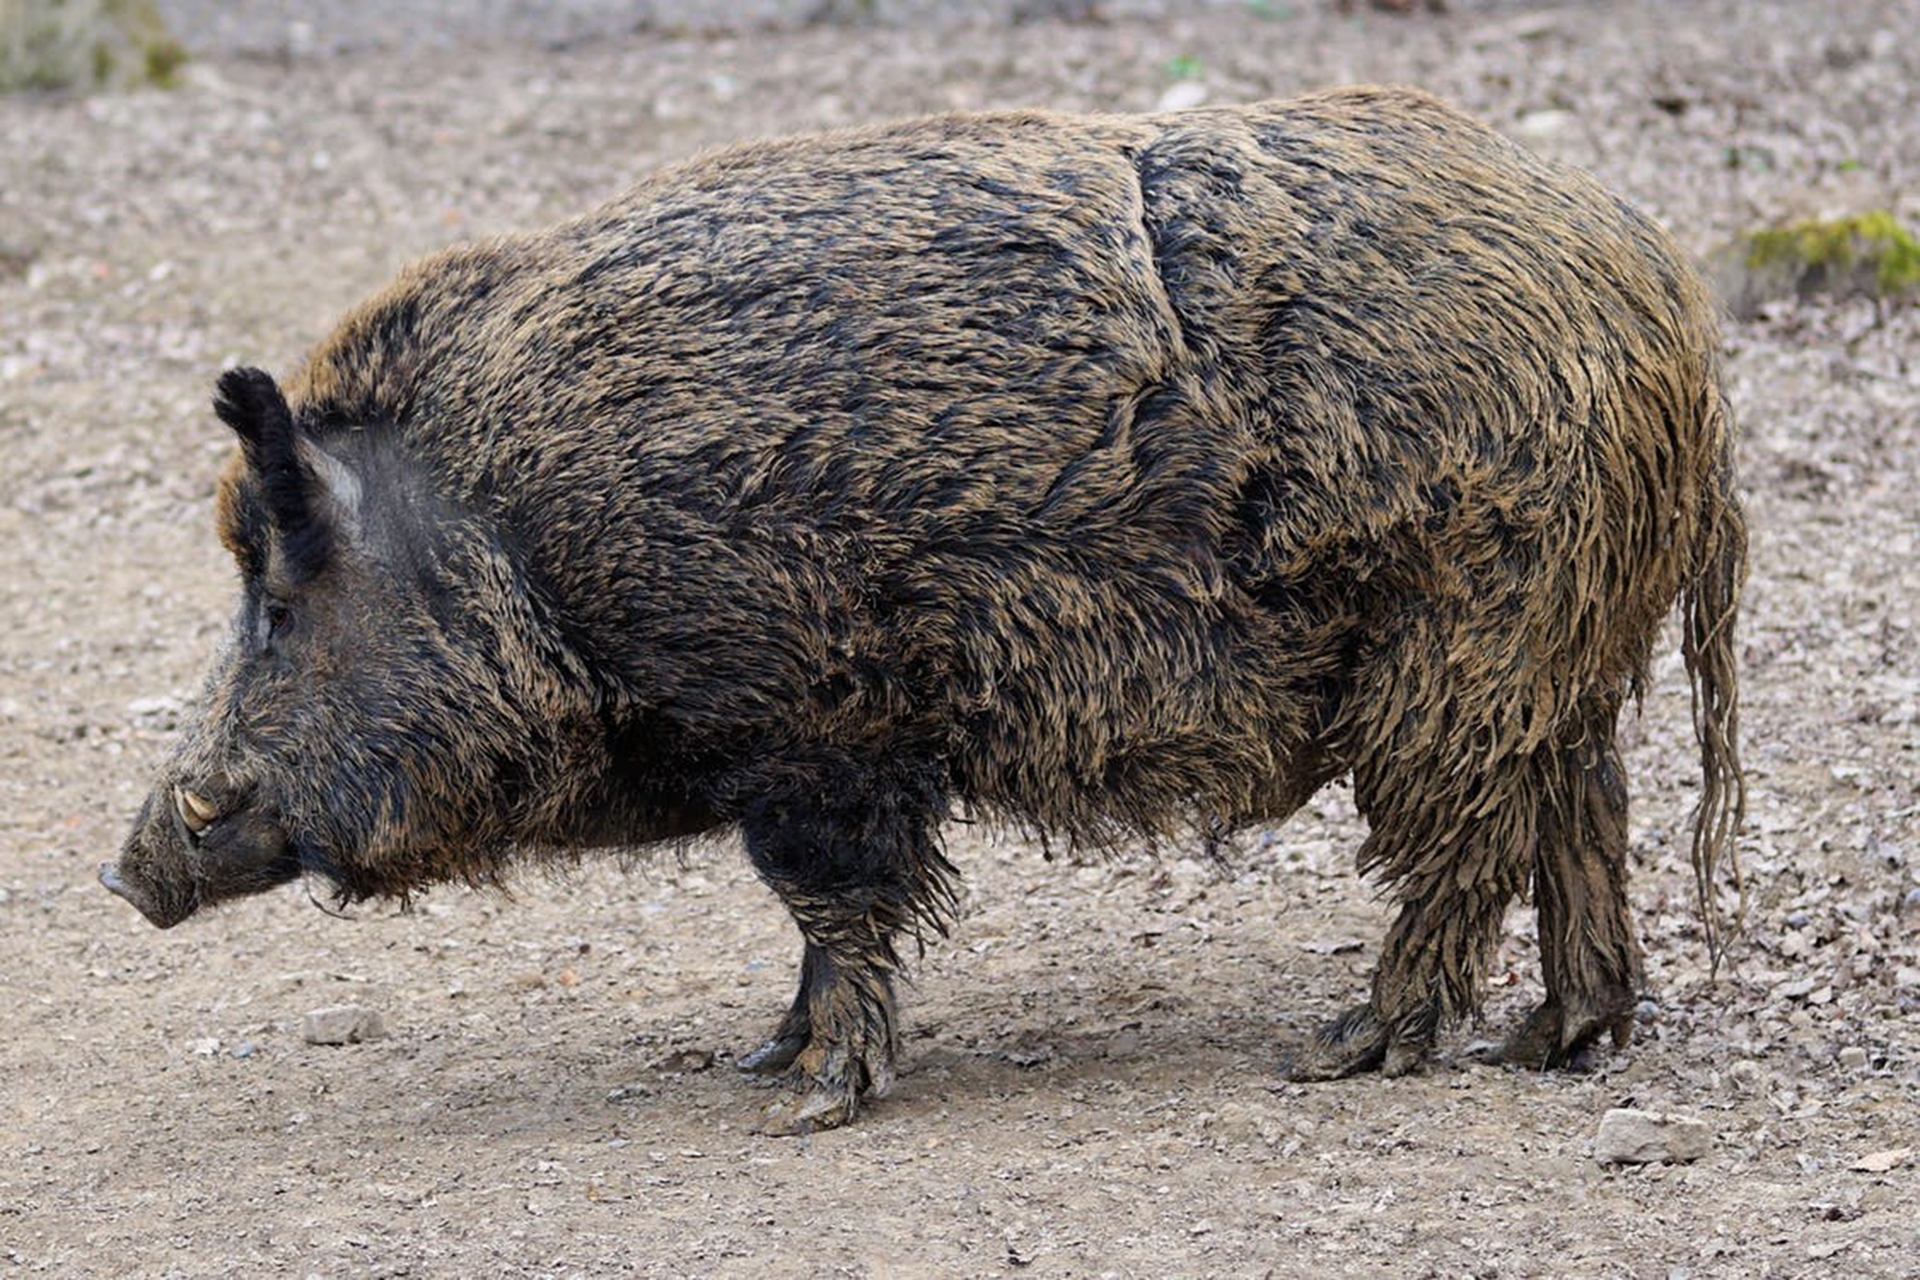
[1646,1012]
[1853,1057]
[342,1024]
[1182,95]
[1630,1136]
[1543,124]
[687,1060]
[1238,1124]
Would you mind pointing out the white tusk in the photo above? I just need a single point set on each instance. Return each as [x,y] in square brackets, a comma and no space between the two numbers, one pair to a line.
[196,811]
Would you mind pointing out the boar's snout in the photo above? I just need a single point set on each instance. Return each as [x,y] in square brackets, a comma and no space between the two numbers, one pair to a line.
[154,871]
[119,886]
[196,844]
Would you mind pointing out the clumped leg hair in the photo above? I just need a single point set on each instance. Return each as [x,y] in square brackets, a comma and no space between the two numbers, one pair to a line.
[1588,952]
[1457,831]
[1455,864]
[853,852]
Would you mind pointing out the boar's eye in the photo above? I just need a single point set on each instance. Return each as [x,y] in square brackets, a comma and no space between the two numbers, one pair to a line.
[279,617]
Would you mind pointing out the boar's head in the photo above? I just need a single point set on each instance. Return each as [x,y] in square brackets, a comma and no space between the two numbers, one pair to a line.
[383,714]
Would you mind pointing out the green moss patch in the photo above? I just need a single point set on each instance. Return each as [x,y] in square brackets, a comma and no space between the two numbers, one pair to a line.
[1872,239]
[85,44]
[1868,255]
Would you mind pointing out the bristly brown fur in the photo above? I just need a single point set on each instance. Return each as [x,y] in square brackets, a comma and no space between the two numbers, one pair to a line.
[1109,474]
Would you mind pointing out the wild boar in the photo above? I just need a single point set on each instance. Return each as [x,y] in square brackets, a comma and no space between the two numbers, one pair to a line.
[1113,476]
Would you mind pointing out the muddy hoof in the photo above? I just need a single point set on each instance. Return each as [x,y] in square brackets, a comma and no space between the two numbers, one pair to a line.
[775,1056]
[1355,1041]
[1551,1040]
[808,1106]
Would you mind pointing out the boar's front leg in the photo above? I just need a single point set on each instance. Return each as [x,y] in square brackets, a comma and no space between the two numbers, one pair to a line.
[854,855]
[794,1030]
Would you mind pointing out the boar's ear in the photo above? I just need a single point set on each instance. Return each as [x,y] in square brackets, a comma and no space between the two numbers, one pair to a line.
[334,489]
[248,401]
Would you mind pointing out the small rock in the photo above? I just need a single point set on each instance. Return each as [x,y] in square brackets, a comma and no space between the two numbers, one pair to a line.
[1868,255]
[1182,95]
[163,710]
[1238,1124]
[1528,26]
[1543,124]
[1646,1012]
[1629,1136]
[1747,1074]
[687,1060]
[1853,1057]
[1882,1161]
[206,1047]
[244,1049]
[342,1024]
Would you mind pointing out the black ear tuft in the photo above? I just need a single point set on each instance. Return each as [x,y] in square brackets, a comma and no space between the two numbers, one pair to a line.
[249,401]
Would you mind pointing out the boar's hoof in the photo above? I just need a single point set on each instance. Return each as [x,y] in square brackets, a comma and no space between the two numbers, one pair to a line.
[1358,1040]
[808,1107]
[1552,1038]
[776,1055]
[1355,1041]
[824,1087]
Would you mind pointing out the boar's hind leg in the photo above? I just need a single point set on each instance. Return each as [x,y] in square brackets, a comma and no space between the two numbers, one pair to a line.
[1587,947]
[1457,847]
[857,862]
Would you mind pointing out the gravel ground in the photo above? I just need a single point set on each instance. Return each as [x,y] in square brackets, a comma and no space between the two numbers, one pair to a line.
[1088,1083]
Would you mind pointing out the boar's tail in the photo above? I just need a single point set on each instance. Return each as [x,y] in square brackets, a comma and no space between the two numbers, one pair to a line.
[1711,603]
